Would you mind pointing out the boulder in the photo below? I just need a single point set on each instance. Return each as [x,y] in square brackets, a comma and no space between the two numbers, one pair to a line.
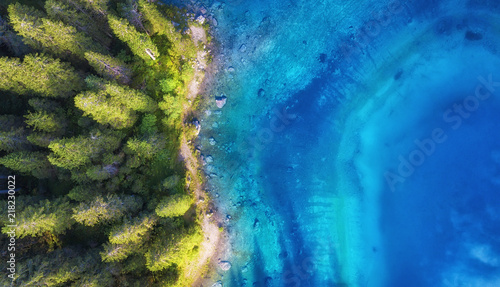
[221,101]
[225,265]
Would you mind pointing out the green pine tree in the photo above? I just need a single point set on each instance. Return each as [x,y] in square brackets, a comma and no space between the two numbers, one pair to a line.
[45,122]
[109,67]
[157,22]
[174,205]
[106,209]
[140,44]
[13,140]
[105,111]
[145,149]
[175,249]
[54,36]
[39,74]
[73,13]
[34,163]
[132,231]
[98,6]
[44,217]
[129,10]
[117,252]
[75,152]
[41,139]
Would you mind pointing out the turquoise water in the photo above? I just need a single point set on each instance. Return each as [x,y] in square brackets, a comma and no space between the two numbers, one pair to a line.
[360,142]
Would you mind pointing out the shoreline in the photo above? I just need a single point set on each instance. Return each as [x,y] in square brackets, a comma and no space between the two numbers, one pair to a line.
[203,81]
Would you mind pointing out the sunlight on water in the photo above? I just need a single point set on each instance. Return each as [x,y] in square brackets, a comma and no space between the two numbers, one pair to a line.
[359,145]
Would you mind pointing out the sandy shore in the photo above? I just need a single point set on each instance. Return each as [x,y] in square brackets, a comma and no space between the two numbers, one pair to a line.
[215,241]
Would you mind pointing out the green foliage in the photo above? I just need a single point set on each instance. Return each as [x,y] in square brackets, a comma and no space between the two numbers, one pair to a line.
[74,167]
[110,103]
[129,11]
[157,23]
[140,44]
[54,36]
[43,104]
[45,216]
[83,192]
[26,20]
[148,125]
[174,205]
[39,74]
[145,149]
[172,107]
[45,122]
[34,163]
[70,12]
[104,110]
[75,152]
[127,238]
[105,209]
[173,249]
[13,140]
[41,139]
[132,231]
[98,6]
[109,67]
[58,268]
[117,252]
[169,85]
[171,182]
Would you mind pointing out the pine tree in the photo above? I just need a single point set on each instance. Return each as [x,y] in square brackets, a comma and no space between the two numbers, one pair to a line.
[132,231]
[75,152]
[55,36]
[129,10]
[110,103]
[140,44]
[41,139]
[105,111]
[39,74]
[109,67]
[44,104]
[105,209]
[45,122]
[43,217]
[10,40]
[13,140]
[174,205]
[84,192]
[61,267]
[34,163]
[174,249]
[73,14]
[117,252]
[130,98]
[98,6]
[158,23]
[146,149]
[26,21]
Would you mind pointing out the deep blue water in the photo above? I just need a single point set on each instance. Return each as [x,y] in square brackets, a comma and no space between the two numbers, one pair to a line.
[348,158]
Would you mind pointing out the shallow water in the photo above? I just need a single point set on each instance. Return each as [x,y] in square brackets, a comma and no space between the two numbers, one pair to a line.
[360,142]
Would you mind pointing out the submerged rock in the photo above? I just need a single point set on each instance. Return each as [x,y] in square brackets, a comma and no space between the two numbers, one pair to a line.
[212,141]
[209,159]
[221,101]
[225,265]
[261,93]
